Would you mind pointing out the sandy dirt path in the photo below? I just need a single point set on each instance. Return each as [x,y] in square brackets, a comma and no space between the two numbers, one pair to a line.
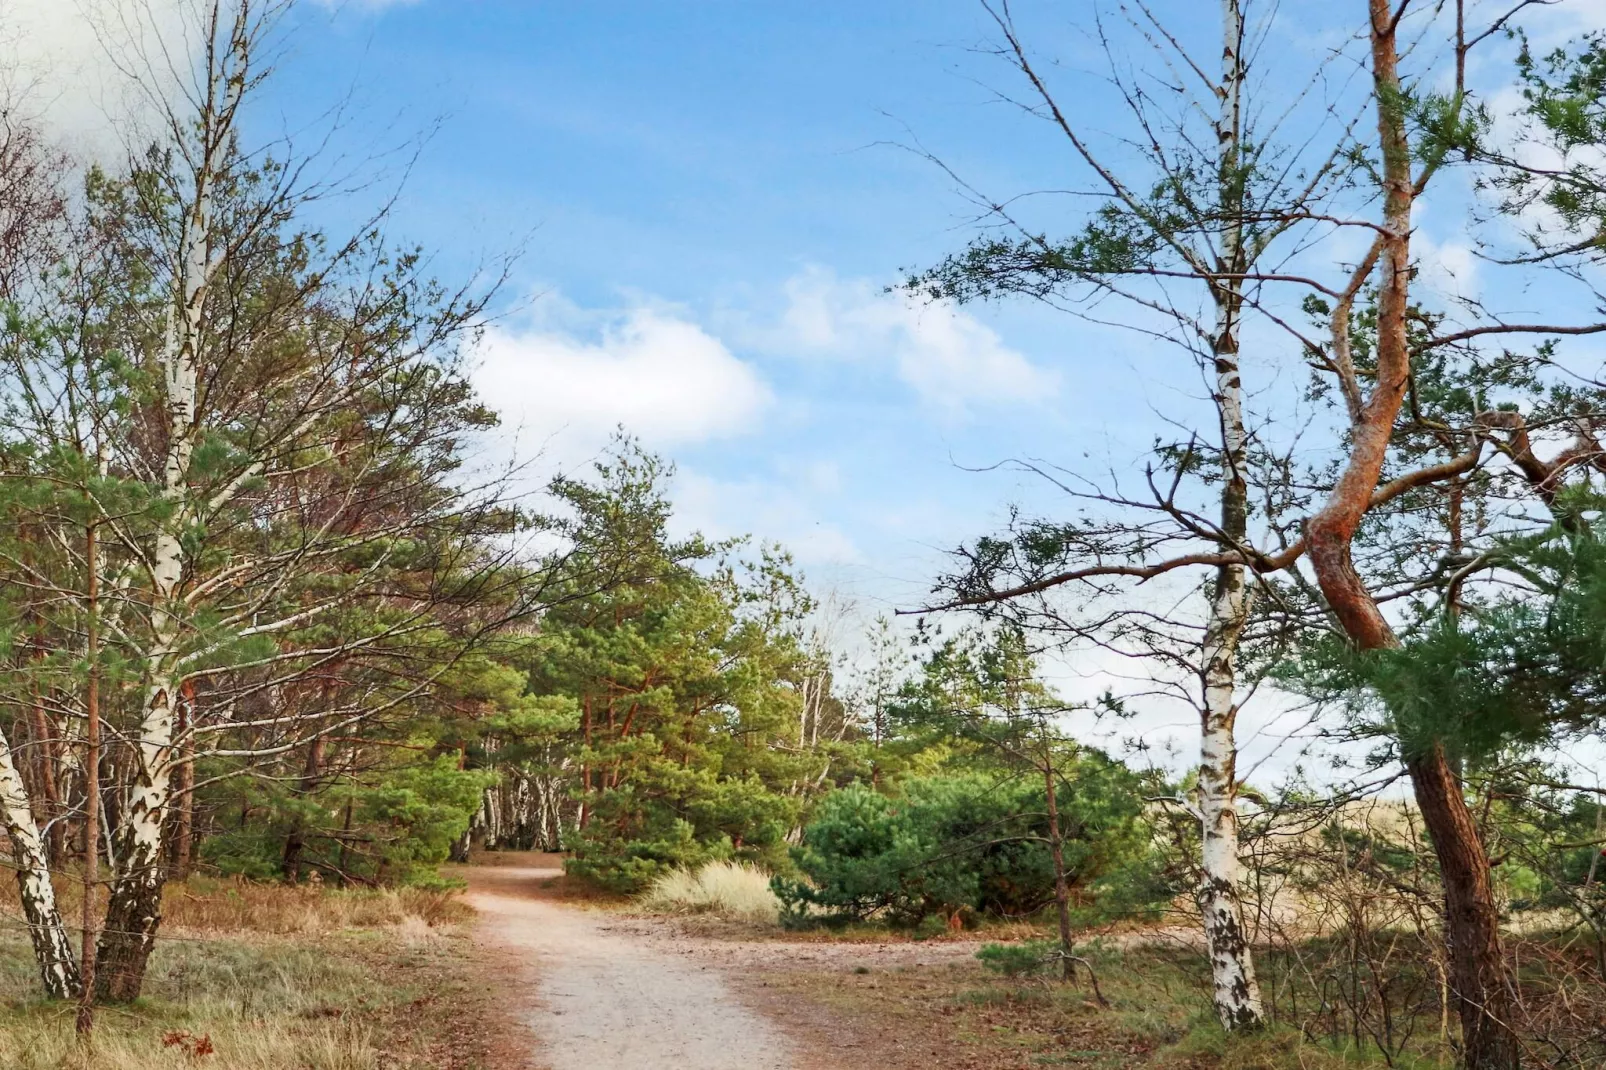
[603,999]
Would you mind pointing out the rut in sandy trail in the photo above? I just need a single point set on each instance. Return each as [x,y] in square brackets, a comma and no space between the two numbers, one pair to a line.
[601,1000]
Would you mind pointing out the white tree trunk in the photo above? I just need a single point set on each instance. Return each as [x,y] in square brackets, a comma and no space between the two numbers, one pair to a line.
[133,912]
[1235,992]
[51,949]
[134,909]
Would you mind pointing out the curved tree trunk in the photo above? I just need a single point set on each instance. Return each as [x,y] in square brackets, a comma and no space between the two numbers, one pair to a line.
[51,949]
[1479,981]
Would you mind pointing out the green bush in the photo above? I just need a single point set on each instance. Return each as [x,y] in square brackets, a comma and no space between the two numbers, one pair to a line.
[971,841]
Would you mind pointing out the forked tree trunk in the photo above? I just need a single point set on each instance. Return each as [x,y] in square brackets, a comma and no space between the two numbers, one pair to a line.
[1479,981]
[1235,992]
[51,949]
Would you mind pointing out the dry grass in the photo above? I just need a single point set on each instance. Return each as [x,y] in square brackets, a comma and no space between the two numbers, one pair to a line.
[958,1015]
[265,977]
[732,890]
[212,906]
[49,1046]
[266,1004]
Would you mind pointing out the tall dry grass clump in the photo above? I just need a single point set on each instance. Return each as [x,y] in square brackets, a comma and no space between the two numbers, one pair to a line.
[734,890]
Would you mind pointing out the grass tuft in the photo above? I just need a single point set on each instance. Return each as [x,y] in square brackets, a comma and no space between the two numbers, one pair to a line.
[733,890]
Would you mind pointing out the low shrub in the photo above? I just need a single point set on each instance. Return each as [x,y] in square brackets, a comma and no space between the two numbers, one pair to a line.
[635,836]
[952,843]
[1020,960]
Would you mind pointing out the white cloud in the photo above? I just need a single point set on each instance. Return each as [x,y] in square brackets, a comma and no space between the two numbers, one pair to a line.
[952,360]
[661,377]
[1549,26]
[67,63]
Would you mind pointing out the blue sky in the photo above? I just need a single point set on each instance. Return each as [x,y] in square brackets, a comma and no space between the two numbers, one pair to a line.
[714,197]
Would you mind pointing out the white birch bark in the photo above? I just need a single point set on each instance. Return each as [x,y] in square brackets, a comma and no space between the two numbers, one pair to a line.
[134,909]
[1235,992]
[51,949]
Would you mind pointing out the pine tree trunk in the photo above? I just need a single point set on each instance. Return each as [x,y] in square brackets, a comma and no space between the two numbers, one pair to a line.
[1479,979]
[1062,886]
[295,841]
[85,1023]
[45,743]
[1480,984]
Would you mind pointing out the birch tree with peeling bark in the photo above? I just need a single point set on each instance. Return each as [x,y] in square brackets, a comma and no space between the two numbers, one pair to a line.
[203,144]
[1210,218]
[282,508]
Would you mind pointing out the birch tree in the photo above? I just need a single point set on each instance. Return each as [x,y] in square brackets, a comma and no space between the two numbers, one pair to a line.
[1206,216]
[281,420]
[32,232]
[52,950]
[203,142]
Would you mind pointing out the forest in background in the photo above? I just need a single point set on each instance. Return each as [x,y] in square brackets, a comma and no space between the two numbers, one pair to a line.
[270,618]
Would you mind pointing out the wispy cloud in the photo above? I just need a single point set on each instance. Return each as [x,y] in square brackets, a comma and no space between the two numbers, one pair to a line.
[954,362]
[783,509]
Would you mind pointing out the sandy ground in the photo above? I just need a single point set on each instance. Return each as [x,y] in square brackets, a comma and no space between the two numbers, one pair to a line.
[608,997]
